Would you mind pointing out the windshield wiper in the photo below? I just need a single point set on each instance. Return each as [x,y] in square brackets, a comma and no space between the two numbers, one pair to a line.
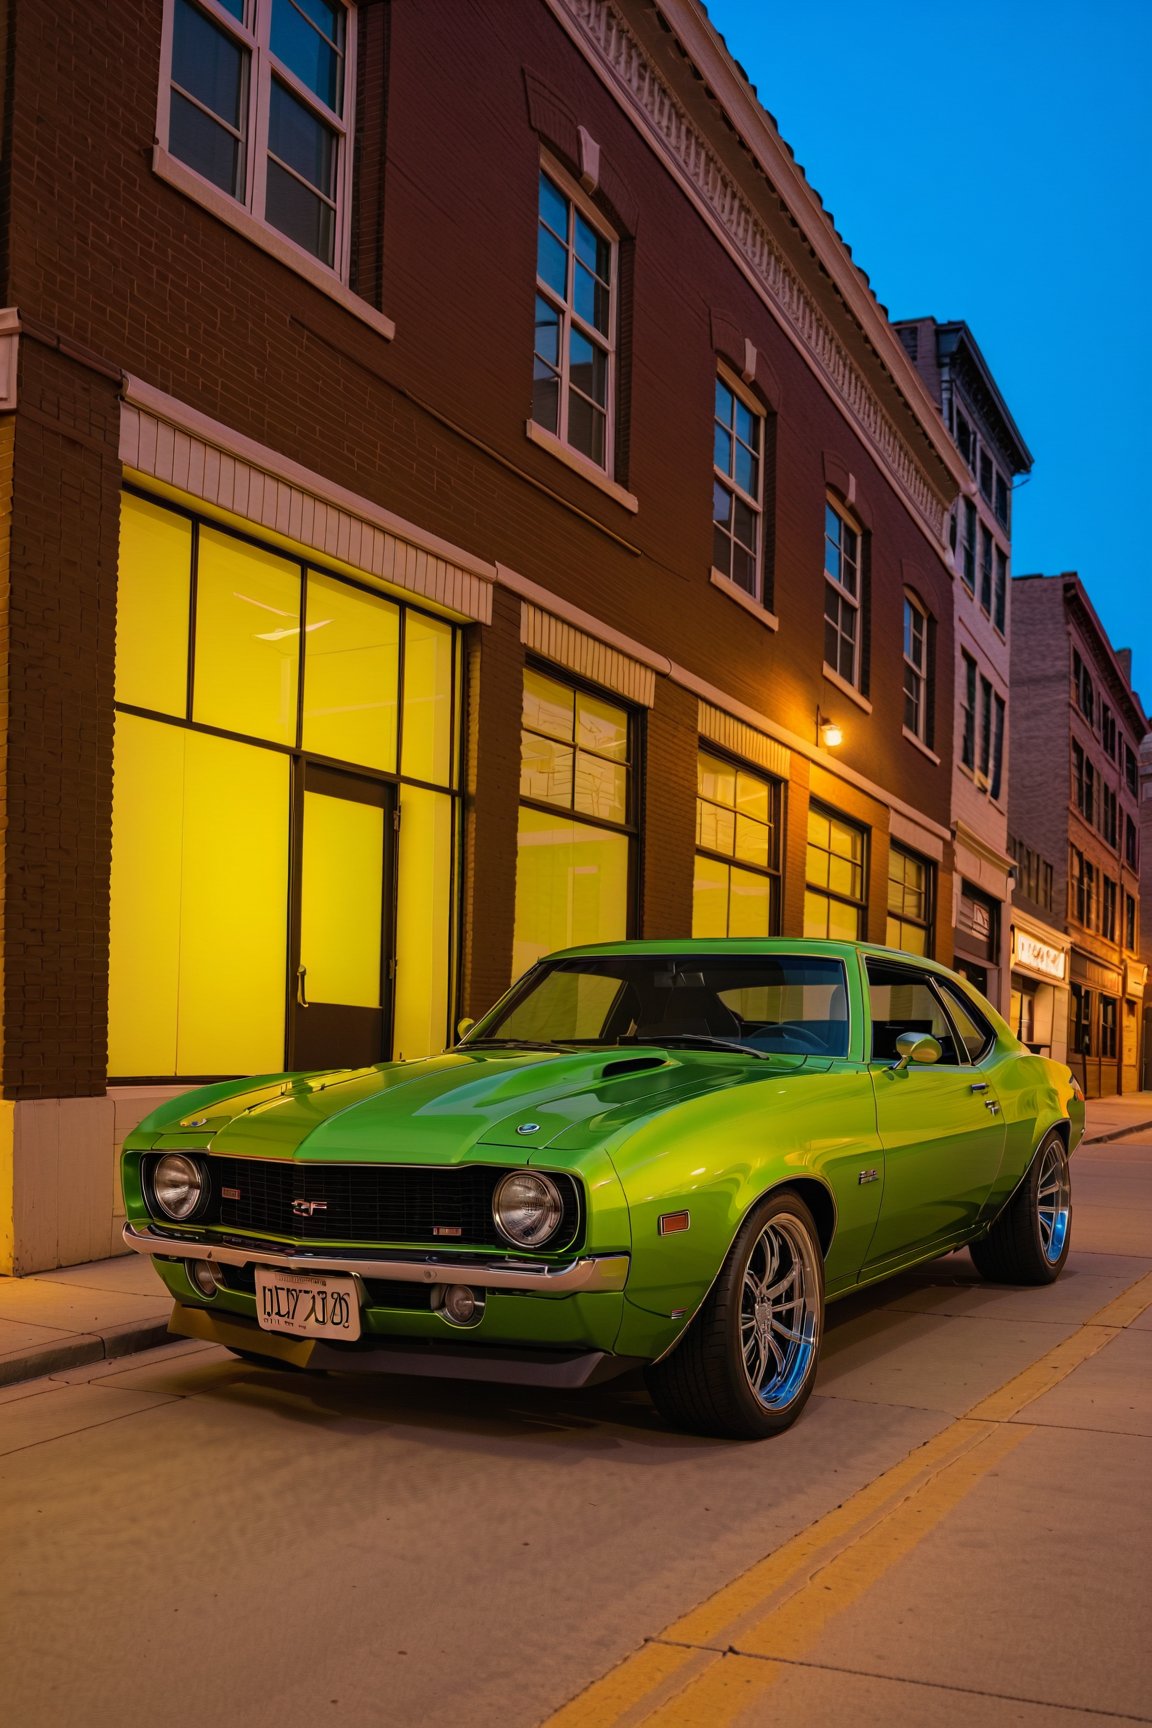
[703,1038]
[515,1044]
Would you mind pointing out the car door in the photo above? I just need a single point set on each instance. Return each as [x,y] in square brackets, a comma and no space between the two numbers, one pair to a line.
[941,1125]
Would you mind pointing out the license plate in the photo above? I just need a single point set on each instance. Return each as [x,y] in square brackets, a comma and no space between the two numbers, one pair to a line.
[307,1304]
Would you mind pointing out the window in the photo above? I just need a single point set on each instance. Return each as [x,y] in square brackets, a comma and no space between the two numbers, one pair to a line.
[300,680]
[737,488]
[1001,505]
[968,711]
[1034,874]
[1130,779]
[1108,908]
[974,1031]
[1109,816]
[986,472]
[1130,923]
[842,587]
[259,104]
[910,887]
[978,915]
[1131,852]
[917,684]
[736,884]
[965,440]
[1084,782]
[572,381]
[835,877]
[1108,1027]
[1108,731]
[1084,690]
[985,570]
[1082,889]
[1081,1020]
[968,545]
[985,730]
[901,999]
[997,745]
[1000,590]
[573,872]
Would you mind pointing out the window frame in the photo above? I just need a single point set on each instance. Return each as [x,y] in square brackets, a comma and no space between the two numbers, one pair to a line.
[859,906]
[741,393]
[772,871]
[843,594]
[969,704]
[579,202]
[920,696]
[253,36]
[928,922]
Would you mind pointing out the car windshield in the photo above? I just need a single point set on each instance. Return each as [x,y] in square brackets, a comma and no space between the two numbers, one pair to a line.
[788,1004]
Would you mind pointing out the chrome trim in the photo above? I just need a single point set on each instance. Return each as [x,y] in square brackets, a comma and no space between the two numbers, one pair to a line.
[593,1272]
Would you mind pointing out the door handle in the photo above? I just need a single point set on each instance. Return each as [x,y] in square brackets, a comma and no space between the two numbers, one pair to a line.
[979,1086]
[301,995]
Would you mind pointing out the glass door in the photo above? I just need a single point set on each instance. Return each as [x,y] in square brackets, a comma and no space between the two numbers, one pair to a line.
[342,924]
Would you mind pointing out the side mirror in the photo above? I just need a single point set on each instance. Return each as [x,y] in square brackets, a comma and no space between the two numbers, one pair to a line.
[463,1025]
[916,1047]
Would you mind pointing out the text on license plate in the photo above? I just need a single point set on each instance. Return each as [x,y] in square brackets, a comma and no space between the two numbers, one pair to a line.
[310,1305]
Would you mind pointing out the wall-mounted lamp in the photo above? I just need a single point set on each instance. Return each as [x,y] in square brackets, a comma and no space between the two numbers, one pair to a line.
[828,733]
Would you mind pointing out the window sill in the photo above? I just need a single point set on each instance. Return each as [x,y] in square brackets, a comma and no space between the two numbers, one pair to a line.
[581,465]
[226,209]
[743,598]
[849,690]
[920,745]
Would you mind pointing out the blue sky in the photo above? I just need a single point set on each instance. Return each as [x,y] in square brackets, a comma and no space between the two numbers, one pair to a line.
[993,163]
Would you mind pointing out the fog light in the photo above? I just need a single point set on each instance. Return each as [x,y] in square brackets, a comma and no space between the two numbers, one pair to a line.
[462,1305]
[203,1275]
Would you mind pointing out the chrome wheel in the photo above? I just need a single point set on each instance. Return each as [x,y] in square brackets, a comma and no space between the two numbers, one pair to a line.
[781,1311]
[1053,1201]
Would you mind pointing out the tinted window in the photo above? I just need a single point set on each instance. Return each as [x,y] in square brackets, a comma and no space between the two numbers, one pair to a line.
[974,1031]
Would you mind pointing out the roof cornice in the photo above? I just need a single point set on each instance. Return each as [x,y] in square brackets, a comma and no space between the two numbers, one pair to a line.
[927,477]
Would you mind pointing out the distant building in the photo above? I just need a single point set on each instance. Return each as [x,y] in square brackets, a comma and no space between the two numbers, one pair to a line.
[975,413]
[1077,731]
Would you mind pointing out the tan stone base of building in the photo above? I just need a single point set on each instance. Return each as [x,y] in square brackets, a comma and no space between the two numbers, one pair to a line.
[60,1200]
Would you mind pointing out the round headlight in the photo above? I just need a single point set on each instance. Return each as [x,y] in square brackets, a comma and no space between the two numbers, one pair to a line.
[527,1208]
[178,1184]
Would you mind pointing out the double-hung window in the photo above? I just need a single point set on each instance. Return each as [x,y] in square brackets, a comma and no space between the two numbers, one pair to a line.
[909,902]
[737,488]
[573,383]
[985,569]
[736,886]
[917,687]
[835,877]
[968,711]
[258,103]
[842,594]
[968,544]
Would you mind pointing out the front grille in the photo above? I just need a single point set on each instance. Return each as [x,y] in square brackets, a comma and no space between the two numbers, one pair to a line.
[437,1208]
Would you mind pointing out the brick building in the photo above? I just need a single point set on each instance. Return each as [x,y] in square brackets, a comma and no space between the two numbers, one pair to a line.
[974,411]
[1077,731]
[454,479]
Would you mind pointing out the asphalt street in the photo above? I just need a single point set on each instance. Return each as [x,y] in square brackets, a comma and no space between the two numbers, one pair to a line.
[959,1530]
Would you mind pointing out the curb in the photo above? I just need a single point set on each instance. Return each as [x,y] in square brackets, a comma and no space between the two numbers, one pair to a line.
[1117,1134]
[83,1349]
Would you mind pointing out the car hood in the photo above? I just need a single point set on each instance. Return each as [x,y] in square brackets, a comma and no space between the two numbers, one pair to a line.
[446,1108]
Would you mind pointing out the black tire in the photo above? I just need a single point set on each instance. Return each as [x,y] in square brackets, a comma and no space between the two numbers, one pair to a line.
[703,1386]
[1029,1242]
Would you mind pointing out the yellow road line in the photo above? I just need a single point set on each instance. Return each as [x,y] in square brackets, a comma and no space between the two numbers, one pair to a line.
[821,1571]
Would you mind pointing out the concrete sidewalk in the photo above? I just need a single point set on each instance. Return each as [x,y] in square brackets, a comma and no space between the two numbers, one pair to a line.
[53,1321]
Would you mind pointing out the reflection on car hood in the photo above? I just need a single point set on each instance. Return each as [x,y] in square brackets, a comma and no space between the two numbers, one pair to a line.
[437,1111]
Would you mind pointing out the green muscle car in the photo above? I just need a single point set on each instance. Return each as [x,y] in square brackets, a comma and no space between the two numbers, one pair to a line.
[656,1154]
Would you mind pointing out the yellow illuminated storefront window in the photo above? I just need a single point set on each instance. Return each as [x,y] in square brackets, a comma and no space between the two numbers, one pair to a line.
[737,819]
[574,856]
[241,893]
[909,901]
[835,880]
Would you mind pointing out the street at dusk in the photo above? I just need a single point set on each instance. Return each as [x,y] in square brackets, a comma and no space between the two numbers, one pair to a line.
[575,866]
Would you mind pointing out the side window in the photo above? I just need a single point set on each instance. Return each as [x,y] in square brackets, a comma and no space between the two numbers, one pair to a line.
[973,1030]
[902,999]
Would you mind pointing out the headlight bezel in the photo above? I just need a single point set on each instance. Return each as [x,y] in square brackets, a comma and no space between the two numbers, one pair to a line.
[198,1165]
[554,1194]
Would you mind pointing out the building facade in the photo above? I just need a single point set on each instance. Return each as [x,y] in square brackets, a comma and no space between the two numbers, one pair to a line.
[1077,731]
[457,485]
[980,532]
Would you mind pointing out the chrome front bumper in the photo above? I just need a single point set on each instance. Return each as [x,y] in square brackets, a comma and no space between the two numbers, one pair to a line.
[594,1272]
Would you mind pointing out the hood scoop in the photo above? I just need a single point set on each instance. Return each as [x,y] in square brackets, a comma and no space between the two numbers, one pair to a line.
[632,1065]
